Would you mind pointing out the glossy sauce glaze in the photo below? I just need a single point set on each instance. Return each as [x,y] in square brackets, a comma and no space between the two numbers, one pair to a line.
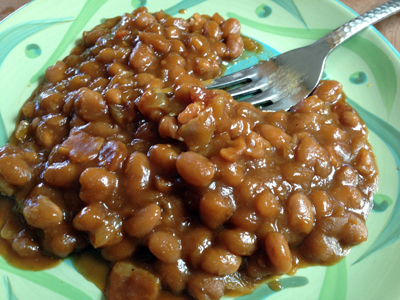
[184,192]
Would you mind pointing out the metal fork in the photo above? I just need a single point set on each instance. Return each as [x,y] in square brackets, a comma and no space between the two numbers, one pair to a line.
[286,79]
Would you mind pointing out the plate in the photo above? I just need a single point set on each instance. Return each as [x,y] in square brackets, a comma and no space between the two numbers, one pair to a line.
[367,65]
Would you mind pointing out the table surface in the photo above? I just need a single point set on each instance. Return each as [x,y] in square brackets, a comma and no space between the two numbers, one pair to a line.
[390,28]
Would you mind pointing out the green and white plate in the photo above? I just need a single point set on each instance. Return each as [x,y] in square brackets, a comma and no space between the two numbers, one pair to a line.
[367,65]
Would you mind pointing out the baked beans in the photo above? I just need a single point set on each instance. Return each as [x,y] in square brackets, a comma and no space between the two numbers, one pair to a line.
[182,190]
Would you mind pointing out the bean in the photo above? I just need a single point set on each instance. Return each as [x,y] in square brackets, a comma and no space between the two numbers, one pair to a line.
[310,104]
[311,122]
[22,131]
[199,44]
[174,59]
[112,155]
[173,32]
[91,217]
[41,212]
[310,153]
[143,20]
[195,169]
[56,73]
[191,111]
[219,48]
[140,9]
[15,170]
[117,68]
[212,30]
[276,136]
[321,202]
[28,110]
[249,189]
[107,55]
[72,60]
[164,156]
[365,163]
[234,45]
[240,126]
[168,127]
[51,130]
[238,241]
[217,18]
[62,174]
[142,79]
[52,102]
[93,68]
[128,279]
[174,276]
[355,231]
[78,81]
[346,175]
[157,41]
[321,248]
[201,66]
[142,57]
[110,233]
[229,172]
[153,103]
[194,242]
[278,119]
[97,185]
[11,225]
[294,172]
[300,213]
[246,219]
[307,151]
[278,252]
[350,118]
[90,105]
[113,96]
[349,197]
[328,90]
[267,205]
[164,185]
[196,23]
[215,209]
[61,242]
[177,46]
[220,262]
[99,84]
[256,145]
[204,287]
[144,221]
[183,85]
[25,246]
[138,170]
[230,26]
[180,23]
[91,37]
[165,246]
[120,251]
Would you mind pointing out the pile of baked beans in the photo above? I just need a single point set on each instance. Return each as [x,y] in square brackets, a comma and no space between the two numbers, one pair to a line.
[184,191]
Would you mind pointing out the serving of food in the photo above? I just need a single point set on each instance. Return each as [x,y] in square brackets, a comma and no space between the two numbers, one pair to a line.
[159,188]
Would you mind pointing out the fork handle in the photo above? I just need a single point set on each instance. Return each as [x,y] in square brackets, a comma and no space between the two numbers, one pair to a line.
[339,35]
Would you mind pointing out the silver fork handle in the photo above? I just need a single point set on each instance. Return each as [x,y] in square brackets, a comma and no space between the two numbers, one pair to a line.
[339,35]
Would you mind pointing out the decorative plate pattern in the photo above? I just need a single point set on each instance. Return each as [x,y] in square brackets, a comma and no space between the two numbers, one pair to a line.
[367,65]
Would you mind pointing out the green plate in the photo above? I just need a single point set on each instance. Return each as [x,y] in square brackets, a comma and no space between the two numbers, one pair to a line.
[367,66]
